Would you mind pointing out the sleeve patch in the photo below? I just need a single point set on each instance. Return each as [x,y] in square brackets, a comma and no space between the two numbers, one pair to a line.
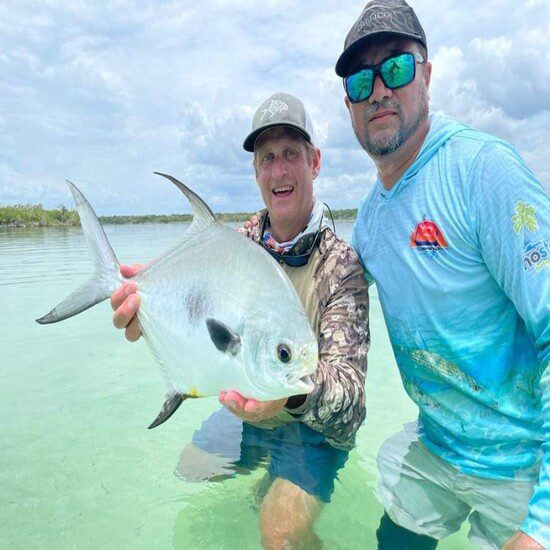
[524,218]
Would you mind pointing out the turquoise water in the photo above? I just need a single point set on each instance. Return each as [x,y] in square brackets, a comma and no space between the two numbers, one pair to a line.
[79,469]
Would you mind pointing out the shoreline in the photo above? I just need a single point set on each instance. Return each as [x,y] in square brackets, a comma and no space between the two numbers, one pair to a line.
[35,217]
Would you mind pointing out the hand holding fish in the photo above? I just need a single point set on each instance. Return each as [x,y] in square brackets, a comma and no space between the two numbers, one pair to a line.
[125,303]
[249,226]
[249,409]
[214,323]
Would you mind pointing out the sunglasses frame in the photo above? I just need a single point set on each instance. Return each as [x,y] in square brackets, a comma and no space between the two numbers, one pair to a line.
[376,69]
[290,259]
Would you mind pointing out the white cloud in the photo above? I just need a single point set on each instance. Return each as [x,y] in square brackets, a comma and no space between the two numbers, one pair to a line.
[107,92]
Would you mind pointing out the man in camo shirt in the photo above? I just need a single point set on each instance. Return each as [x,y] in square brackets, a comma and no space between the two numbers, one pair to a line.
[307,437]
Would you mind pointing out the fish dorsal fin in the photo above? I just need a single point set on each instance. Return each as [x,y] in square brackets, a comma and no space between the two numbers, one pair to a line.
[202,214]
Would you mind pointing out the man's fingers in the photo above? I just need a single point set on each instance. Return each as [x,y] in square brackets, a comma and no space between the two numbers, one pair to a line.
[121,294]
[126,311]
[133,330]
[234,401]
[130,270]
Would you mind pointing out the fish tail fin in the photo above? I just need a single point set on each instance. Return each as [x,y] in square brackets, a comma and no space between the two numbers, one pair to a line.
[106,275]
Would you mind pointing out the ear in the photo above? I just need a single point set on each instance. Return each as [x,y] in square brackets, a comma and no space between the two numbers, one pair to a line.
[255,170]
[225,339]
[316,164]
[348,103]
[427,74]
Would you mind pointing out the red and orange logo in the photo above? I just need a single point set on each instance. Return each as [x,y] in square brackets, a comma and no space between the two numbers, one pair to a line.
[427,236]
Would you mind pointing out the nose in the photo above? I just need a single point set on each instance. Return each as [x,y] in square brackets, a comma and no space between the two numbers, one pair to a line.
[279,167]
[379,91]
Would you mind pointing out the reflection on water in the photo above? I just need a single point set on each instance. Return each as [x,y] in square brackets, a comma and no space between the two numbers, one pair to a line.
[79,469]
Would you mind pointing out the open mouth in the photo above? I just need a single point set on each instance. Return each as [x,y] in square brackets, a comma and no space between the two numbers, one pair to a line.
[304,383]
[283,191]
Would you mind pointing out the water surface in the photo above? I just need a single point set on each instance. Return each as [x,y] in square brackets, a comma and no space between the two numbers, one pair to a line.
[79,469]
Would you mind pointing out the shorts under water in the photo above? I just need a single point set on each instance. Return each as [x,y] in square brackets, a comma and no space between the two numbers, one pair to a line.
[293,452]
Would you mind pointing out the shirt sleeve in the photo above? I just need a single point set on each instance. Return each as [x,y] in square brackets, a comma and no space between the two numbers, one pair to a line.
[336,407]
[537,523]
[511,217]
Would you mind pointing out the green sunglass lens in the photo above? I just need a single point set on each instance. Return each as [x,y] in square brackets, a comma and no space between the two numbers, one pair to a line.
[359,85]
[398,71]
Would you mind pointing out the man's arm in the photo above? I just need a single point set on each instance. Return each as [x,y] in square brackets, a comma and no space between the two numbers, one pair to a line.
[336,407]
[511,218]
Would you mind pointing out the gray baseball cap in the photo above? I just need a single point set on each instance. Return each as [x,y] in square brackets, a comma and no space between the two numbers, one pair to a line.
[391,17]
[279,110]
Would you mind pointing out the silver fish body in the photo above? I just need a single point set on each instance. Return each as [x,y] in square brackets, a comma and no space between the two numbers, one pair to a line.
[217,312]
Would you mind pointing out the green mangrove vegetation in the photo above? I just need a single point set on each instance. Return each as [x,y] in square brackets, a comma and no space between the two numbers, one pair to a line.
[35,215]
[29,215]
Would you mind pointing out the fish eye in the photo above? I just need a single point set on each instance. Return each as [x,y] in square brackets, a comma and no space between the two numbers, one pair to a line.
[283,353]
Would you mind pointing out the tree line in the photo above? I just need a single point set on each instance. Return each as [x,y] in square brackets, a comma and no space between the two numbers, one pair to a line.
[28,215]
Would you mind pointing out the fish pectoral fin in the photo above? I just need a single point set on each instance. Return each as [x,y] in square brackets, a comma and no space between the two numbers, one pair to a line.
[173,401]
[225,339]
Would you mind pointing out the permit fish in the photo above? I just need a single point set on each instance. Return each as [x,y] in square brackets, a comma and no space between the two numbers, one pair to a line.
[216,311]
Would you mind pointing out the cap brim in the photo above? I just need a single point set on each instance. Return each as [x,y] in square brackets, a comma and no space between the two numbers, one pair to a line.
[344,61]
[250,140]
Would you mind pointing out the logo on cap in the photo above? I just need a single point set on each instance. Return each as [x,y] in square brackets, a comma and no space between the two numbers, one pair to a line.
[274,107]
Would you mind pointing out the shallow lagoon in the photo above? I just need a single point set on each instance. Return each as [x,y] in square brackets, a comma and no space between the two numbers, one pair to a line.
[79,469]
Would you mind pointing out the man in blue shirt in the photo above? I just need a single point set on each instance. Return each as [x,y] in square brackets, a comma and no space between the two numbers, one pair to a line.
[456,236]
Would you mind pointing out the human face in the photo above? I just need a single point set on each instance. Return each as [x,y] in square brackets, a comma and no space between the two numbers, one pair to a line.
[285,176]
[387,119]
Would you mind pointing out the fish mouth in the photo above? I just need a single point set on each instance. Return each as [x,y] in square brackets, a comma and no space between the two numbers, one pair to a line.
[303,382]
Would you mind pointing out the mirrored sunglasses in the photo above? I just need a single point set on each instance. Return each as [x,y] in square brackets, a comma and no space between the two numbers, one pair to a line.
[395,71]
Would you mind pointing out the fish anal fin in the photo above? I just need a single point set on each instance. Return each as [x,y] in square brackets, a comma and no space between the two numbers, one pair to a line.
[223,337]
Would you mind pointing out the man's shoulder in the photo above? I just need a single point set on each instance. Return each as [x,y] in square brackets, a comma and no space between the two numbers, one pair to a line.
[471,141]
[331,243]
[337,255]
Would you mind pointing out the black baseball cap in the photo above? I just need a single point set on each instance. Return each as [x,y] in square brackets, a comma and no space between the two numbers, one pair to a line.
[379,17]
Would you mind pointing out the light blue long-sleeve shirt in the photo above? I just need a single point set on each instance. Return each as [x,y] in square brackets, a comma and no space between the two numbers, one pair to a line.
[459,249]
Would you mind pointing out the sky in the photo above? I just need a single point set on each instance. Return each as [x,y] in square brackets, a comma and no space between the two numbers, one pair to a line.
[104,93]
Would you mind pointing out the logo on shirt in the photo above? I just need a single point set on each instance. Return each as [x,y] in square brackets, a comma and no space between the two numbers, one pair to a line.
[536,255]
[524,218]
[427,237]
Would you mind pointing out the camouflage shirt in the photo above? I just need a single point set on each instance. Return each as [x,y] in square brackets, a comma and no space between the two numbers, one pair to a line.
[334,292]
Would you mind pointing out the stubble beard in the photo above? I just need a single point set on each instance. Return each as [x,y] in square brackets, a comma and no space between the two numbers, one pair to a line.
[379,147]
